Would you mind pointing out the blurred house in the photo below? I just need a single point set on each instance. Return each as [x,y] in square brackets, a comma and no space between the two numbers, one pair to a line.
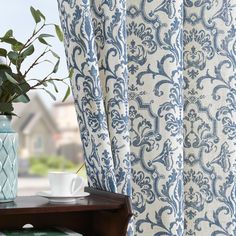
[42,132]
[68,137]
[36,128]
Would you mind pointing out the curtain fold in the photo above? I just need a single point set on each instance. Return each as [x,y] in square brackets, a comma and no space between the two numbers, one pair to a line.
[154,43]
[154,89]
[209,117]
[100,89]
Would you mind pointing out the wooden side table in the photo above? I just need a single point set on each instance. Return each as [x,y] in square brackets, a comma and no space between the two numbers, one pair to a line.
[100,214]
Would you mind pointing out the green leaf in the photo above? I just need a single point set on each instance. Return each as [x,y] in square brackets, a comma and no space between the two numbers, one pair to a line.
[55,69]
[11,41]
[43,41]
[67,94]
[71,72]
[24,86]
[51,95]
[3,76]
[3,52]
[13,56]
[54,85]
[41,14]
[10,78]
[54,54]
[46,35]
[47,61]
[35,14]
[28,51]
[22,98]
[59,32]
[45,84]
[4,67]
[17,46]
[6,107]
[8,34]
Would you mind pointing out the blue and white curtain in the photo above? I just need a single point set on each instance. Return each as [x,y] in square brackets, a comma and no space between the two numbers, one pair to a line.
[155,92]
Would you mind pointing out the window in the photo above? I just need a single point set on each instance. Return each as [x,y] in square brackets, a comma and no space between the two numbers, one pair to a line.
[38,144]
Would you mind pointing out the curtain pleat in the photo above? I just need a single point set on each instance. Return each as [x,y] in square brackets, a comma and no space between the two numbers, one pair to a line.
[88,93]
[154,44]
[154,89]
[209,117]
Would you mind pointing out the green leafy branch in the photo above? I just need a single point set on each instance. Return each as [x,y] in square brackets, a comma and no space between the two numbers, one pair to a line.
[14,82]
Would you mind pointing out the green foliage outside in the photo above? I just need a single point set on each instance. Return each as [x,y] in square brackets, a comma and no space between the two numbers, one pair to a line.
[40,166]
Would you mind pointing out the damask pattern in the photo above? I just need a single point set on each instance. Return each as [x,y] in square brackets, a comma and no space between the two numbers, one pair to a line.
[154,88]
[209,98]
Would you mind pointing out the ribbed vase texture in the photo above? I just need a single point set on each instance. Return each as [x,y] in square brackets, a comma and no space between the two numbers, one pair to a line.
[8,161]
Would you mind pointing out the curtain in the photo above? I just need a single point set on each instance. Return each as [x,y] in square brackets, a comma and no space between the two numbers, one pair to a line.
[155,92]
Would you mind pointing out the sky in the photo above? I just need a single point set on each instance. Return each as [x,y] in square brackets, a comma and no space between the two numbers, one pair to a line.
[16,15]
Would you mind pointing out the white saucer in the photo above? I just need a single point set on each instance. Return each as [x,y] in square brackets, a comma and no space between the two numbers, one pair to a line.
[60,199]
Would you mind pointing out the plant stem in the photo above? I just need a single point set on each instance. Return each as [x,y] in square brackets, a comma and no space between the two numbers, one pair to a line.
[35,62]
[28,41]
[41,82]
[27,44]
[80,168]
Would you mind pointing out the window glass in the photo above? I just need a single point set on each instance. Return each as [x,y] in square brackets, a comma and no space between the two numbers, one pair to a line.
[38,144]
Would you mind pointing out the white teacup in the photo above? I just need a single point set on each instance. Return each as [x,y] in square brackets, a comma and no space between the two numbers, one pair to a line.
[65,183]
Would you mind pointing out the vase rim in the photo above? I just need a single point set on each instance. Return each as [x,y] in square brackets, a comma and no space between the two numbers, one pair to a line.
[7,116]
[5,124]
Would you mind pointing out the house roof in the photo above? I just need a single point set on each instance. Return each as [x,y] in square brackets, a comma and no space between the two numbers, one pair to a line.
[33,119]
[29,118]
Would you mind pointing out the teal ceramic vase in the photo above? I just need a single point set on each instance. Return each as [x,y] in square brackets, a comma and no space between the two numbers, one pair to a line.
[8,160]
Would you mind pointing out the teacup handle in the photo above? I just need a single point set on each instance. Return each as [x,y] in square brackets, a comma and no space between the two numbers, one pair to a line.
[76,184]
